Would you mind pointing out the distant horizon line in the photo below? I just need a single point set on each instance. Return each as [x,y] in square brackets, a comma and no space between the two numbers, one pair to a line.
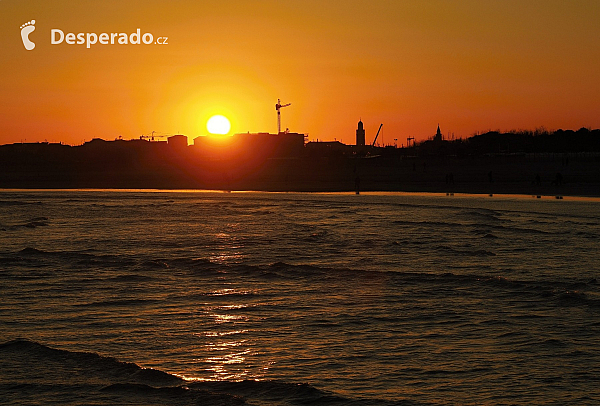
[541,129]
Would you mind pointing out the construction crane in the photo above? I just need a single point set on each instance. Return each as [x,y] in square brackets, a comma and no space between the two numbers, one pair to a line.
[278,107]
[381,125]
[151,136]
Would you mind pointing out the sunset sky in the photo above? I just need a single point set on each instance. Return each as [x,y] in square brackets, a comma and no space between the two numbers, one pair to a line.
[468,65]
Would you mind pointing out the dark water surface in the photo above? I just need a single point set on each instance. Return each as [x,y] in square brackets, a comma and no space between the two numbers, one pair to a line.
[266,298]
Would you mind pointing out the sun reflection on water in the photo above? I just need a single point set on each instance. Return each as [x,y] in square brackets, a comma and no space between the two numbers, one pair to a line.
[226,352]
[226,258]
[227,291]
[220,334]
[227,318]
[227,249]
[221,365]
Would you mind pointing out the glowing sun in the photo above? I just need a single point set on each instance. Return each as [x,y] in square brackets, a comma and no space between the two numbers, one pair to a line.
[218,125]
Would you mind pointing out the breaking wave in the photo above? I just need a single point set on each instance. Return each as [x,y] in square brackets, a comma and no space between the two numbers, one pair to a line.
[40,373]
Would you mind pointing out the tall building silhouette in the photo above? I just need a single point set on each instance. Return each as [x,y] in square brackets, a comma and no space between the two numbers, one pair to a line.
[360,134]
[438,134]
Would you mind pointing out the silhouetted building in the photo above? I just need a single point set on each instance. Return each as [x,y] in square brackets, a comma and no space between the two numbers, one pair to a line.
[325,148]
[178,141]
[251,145]
[438,134]
[360,134]
[282,145]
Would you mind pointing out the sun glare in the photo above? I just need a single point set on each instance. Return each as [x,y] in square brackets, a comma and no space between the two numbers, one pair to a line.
[218,125]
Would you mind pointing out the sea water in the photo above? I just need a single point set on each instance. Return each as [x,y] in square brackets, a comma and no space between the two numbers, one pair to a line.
[178,297]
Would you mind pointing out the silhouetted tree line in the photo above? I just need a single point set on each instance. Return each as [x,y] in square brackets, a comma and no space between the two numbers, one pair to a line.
[538,141]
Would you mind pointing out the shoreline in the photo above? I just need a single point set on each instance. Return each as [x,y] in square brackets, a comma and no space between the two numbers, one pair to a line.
[578,192]
[517,175]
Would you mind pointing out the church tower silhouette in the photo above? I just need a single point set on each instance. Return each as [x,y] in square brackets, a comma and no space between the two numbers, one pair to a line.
[360,134]
[438,134]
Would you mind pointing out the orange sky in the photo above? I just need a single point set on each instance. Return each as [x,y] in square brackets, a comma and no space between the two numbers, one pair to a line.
[468,65]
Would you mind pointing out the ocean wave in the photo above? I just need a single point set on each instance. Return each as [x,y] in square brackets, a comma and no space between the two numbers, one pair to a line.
[131,278]
[172,395]
[32,251]
[51,365]
[316,237]
[477,226]
[277,392]
[587,234]
[471,253]
[18,203]
[570,292]
[431,223]
[31,223]
[41,257]
[37,372]
[486,215]
[86,258]
[116,303]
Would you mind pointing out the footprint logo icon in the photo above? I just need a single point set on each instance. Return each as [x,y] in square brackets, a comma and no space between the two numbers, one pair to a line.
[27,29]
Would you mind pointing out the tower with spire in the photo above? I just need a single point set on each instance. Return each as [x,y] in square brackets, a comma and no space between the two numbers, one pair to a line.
[438,134]
[360,134]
